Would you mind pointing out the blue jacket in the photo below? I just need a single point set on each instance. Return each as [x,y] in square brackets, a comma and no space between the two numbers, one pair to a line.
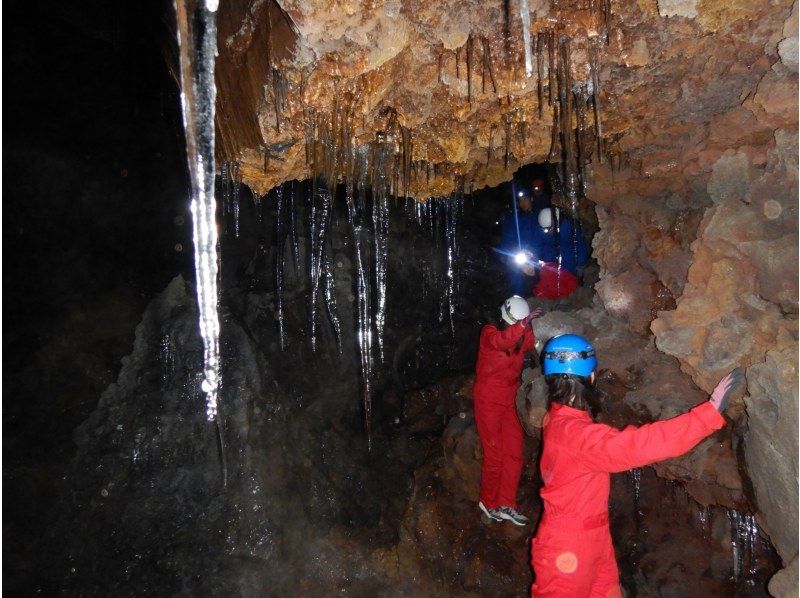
[545,246]
[527,231]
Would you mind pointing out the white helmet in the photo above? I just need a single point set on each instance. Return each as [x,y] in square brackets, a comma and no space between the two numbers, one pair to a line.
[546,217]
[514,309]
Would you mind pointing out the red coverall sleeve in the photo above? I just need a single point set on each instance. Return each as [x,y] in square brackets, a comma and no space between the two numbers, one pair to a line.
[607,449]
[502,340]
[530,340]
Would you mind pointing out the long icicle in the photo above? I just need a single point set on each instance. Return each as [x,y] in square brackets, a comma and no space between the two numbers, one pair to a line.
[280,261]
[197,50]
[525,13]
[293,228]
[330,301]
[319,223]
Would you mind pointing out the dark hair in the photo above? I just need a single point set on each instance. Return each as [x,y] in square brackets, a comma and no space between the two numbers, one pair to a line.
[573,391]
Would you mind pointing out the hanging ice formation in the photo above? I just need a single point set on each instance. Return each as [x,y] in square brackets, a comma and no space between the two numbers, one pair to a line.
[280,263]
[319,216]
[293,229]
[197,41]
[380,222]
[525,13]
[744,536]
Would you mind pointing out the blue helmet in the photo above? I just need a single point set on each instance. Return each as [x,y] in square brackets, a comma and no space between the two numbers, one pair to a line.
[568,354]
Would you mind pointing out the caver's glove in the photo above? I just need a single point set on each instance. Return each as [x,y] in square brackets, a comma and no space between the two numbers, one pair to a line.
[726,387]
[536,313]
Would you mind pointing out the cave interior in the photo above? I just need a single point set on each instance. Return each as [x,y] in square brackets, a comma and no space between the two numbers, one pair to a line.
[362,156]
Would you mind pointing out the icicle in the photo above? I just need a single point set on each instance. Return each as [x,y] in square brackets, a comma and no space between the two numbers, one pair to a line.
[293,229]
[450,234]
[736,545]
[330,301]
[225,178]
[280,262]
[236,183]
[363,321]
[525,13]
[380,219]
[197,41]
[318,226]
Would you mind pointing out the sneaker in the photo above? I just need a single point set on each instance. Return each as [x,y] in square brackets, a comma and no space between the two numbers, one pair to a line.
[512,515]
[490,513]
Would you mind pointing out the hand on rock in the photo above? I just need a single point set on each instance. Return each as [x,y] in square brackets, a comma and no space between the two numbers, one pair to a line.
[726,387]
[536,313]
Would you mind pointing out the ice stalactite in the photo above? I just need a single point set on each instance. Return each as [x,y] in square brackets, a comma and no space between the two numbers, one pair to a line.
[225,180]
[744,544]
[451,219]
[280,263]
[363,295]
[330,301]
[293,228]
[197,42]
[236,184]
[319,216]
[525,13]
[380,221]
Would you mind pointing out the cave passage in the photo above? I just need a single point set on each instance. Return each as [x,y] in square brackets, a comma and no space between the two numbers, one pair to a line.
[241,329]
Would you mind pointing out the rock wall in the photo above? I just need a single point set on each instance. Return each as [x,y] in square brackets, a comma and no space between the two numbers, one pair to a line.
[698,244]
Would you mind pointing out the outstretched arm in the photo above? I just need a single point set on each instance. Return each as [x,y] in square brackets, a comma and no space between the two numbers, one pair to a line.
[606,449]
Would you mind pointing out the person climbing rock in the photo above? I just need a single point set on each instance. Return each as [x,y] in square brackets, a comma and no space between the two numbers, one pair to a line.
[559,244]
[572,554]
[516,238]
[500,357]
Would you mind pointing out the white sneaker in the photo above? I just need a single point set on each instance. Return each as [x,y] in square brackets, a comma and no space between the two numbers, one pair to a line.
[490,513]
[512,515]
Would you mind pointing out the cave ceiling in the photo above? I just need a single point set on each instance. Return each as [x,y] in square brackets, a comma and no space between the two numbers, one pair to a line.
[304,86]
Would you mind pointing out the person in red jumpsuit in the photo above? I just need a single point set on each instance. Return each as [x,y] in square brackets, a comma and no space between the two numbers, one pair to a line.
[572,554]
[500,357]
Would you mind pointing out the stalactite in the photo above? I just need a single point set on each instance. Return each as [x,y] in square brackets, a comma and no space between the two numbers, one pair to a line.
[525,14]
[487,61]
[540,42]
[507,132]
[552,68]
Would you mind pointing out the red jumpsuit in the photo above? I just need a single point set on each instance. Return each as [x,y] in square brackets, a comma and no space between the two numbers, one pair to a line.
[497,379]
[572,554]
[554,283]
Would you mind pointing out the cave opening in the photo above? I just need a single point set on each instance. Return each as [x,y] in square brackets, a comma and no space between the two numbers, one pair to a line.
[344,455]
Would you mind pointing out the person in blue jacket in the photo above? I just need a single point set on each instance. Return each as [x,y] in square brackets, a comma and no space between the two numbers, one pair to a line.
[560,246]
[518,228]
